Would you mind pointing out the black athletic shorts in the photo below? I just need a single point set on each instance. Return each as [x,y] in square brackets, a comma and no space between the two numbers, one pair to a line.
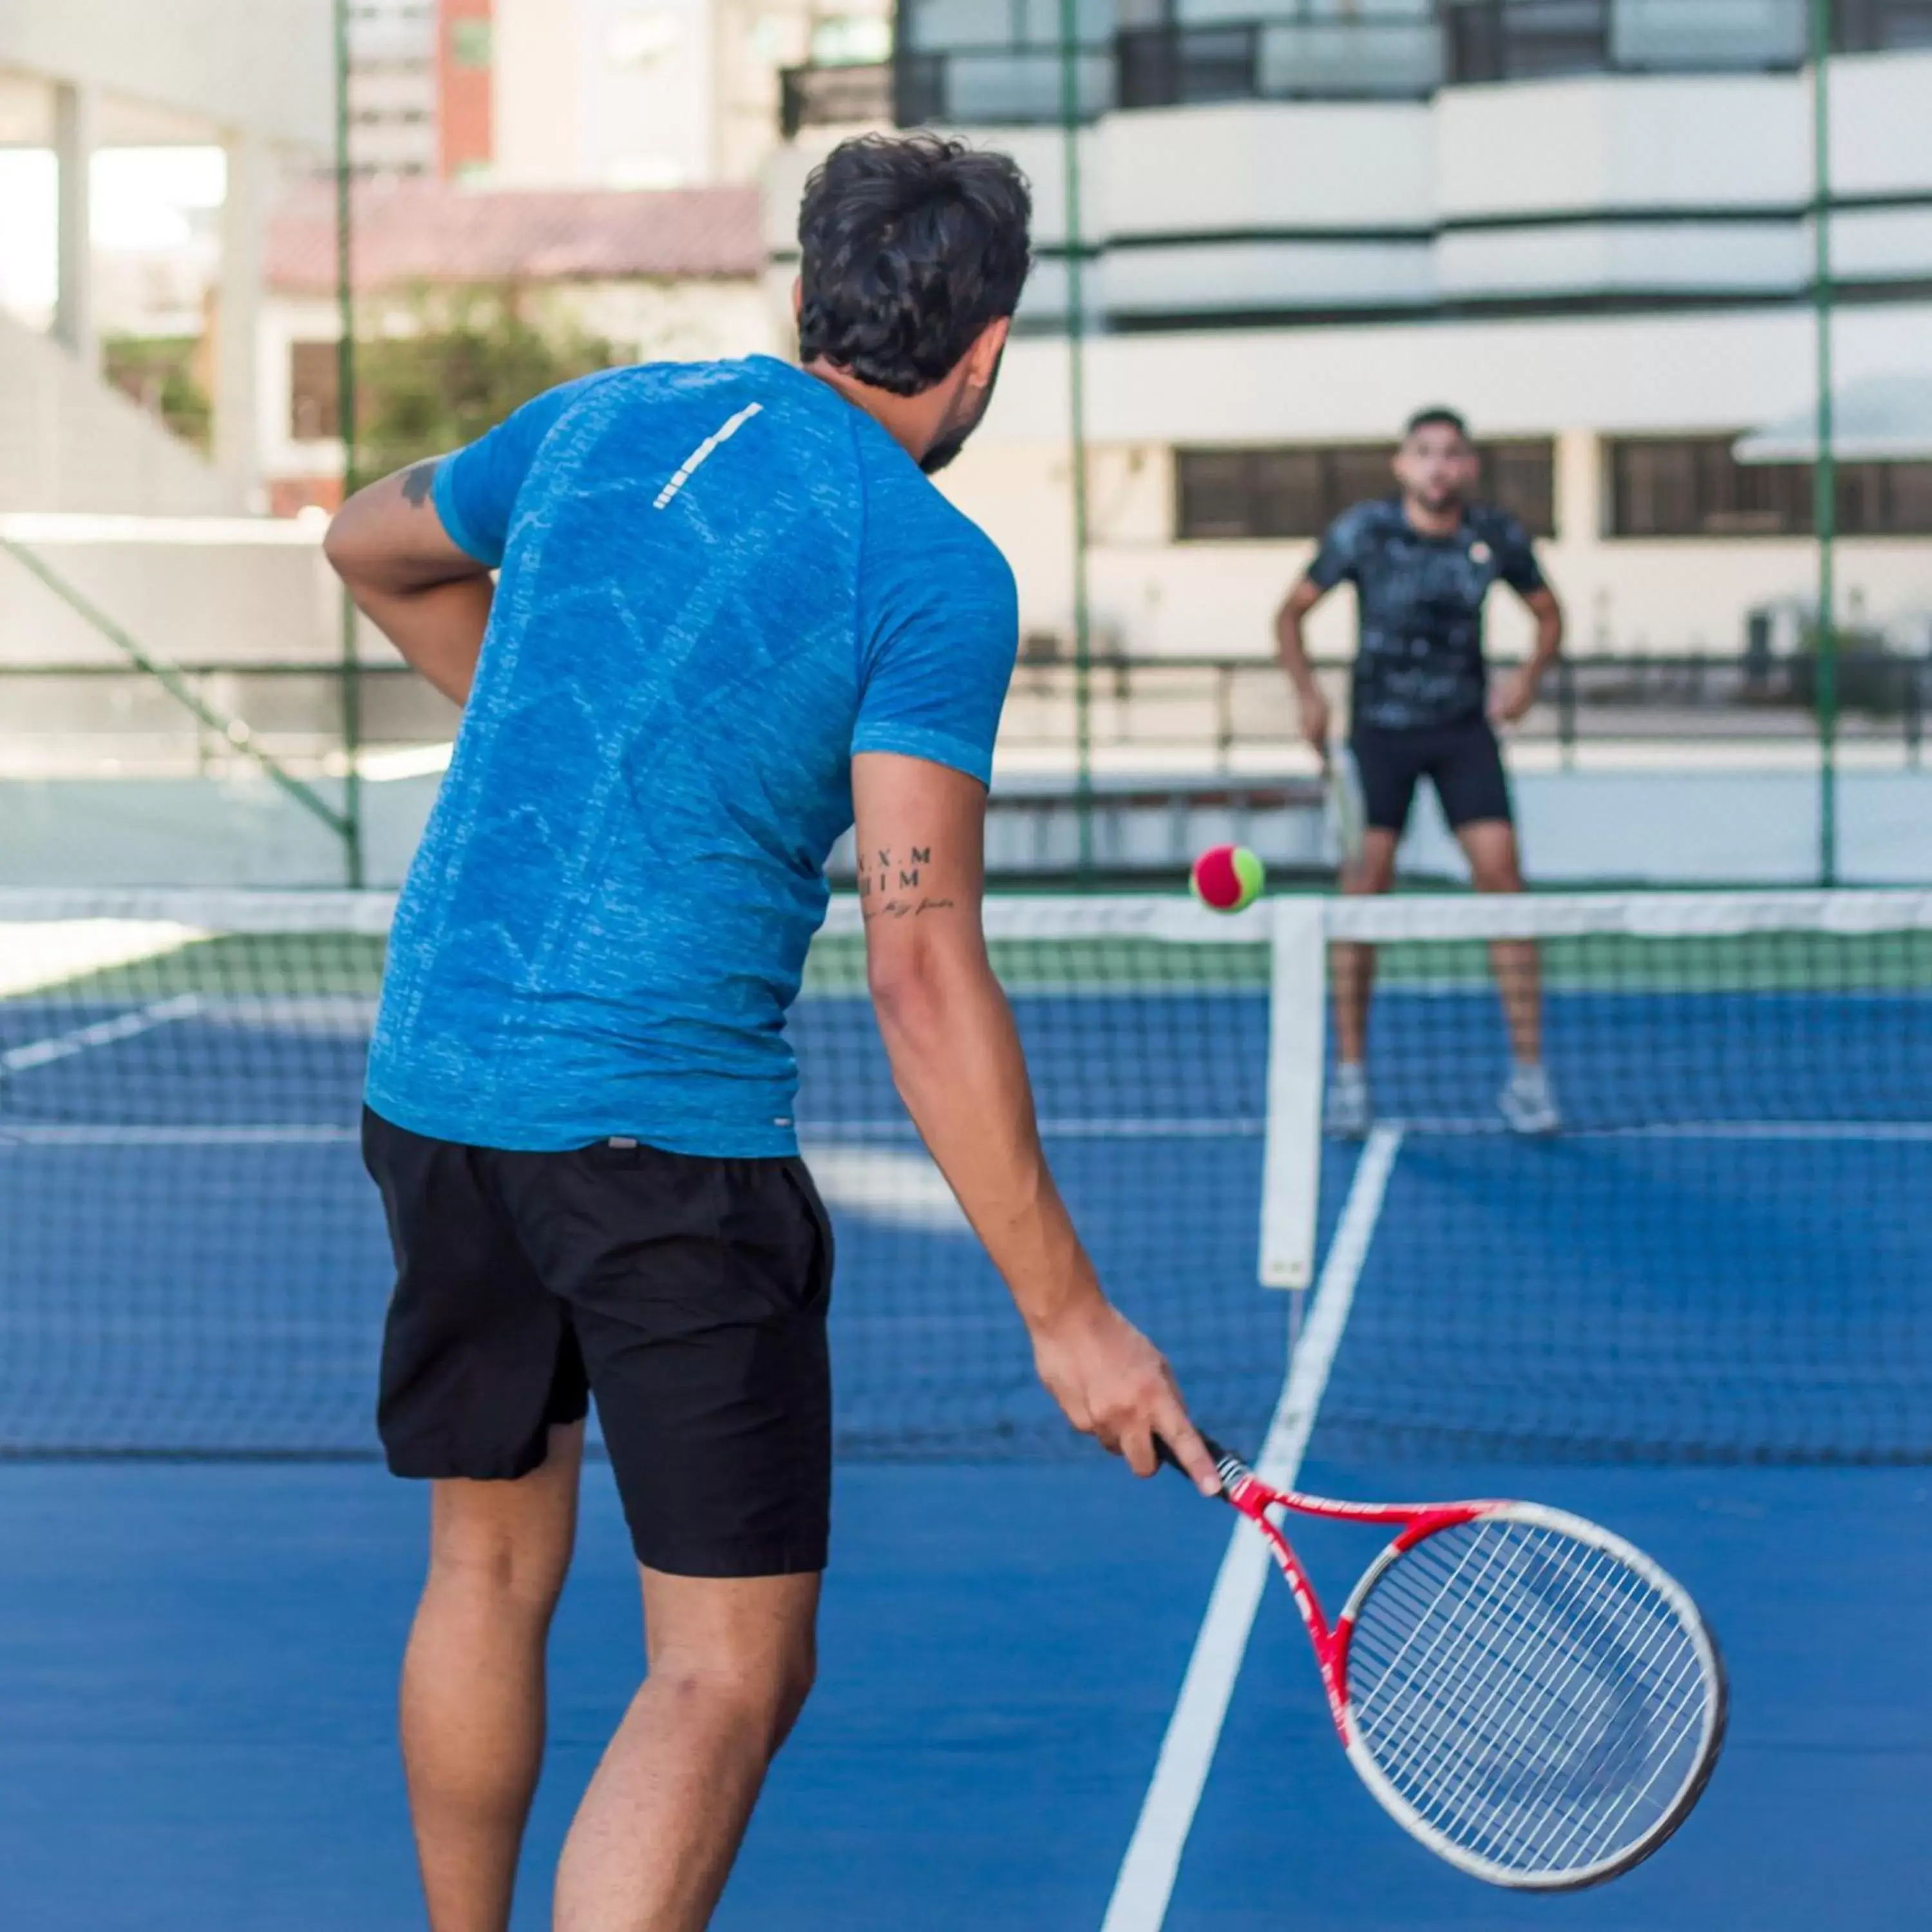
[1463,762]
[687,1294]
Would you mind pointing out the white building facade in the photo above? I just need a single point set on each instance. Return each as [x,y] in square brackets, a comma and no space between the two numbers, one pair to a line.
[654,93]
[1587,226]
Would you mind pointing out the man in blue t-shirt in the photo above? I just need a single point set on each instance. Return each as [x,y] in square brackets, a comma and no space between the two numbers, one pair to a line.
[731,614]
[1423,563]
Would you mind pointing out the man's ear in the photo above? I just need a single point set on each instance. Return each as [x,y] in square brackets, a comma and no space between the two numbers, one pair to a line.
[982,359]
[797,297]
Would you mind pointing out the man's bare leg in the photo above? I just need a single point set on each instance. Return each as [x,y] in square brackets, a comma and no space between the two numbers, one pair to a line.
[472,1700]
[730,1664]
[1355,965]
[1494,867]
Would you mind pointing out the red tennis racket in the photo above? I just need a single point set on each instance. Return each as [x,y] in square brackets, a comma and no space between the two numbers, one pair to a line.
[1532,1697]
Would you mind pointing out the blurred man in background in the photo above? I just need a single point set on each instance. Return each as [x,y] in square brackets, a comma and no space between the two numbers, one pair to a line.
[1422,563]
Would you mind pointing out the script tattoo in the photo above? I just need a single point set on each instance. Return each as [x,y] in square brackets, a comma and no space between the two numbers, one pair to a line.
[889,887]
[417,481]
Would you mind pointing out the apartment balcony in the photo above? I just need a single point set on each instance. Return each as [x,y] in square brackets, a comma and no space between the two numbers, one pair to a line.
[973,62]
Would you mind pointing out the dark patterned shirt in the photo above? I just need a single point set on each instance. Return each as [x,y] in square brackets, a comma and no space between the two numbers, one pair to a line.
[1420,661]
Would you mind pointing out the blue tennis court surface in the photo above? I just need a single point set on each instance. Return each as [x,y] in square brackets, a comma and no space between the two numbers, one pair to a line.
[196,1679]
[1722,1263]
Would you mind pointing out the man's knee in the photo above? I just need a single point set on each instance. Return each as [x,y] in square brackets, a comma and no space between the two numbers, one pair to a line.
[1494,864]
[759,1695]
[488,1562]
[517,1564]
[1372,870]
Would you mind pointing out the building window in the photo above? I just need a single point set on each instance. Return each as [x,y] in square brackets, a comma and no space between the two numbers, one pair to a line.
[1235,495]
[469,44]
[1693,487]
[1535,40]
[1879,26]
[315,391]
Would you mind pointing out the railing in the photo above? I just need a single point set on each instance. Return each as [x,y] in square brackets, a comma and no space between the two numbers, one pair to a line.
[1391,54]
[76,720]
[1015,86]
[1529,40]
[831,97]
[1392,58]
[1881,26]
[1220,716]
[1202,716]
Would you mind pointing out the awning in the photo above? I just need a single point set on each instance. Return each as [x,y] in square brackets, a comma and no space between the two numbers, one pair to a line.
[1877,419]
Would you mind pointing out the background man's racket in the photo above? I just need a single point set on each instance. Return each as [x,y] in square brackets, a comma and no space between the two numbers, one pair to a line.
[1348,809]
[1529,1696]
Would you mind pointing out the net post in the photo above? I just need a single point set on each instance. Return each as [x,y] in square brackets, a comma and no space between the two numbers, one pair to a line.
[1291,1148]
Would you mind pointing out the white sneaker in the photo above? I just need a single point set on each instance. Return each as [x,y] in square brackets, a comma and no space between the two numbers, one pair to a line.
[1529,1107]
[1351,1111]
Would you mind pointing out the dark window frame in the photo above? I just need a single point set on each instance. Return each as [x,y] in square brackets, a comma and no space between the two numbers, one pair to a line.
[1291,493]
[315,391]
[1881,26]
[1692,489]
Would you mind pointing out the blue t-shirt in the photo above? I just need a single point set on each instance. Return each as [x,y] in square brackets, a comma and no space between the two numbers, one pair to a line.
[719,580]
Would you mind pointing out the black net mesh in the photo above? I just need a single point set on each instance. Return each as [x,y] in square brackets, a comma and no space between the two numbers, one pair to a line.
[1721,1255]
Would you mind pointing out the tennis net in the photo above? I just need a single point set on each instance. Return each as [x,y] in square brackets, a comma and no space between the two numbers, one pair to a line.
[1721,1255]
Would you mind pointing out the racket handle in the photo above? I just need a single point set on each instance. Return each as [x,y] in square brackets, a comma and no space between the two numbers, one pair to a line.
[1207,1442]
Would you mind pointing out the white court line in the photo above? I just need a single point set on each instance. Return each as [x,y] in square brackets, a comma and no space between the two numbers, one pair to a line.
[1147,1872]
[295,1135]
[103,1033]
[901,1189]
[38,954]
[1488,1127]
[900,1130]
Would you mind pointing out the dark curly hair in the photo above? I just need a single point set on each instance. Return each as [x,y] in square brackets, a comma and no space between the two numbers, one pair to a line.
[911,244]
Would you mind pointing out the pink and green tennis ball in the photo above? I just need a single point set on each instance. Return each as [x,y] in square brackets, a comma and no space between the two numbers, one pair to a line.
[1228,877]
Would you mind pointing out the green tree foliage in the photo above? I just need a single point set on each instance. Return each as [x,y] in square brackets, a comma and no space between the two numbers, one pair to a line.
[159,373]
[465,360]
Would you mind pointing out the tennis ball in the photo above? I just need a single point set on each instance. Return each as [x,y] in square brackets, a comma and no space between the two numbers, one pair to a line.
[1228,877]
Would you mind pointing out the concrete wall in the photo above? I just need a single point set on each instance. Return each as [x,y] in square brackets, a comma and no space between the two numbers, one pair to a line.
[69,442]
[200,591]
[266,67]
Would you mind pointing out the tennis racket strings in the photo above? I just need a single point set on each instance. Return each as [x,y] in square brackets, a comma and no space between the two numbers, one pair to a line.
[1544,1705]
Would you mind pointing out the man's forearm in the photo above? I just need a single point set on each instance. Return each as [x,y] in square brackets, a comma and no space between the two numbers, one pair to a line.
[1293,651]
[438,631]
[956,1061]
[1548,641]
[1549,646]
[427,596]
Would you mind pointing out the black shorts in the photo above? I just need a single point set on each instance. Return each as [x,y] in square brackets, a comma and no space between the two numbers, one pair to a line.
[1463,762]
[688,1294]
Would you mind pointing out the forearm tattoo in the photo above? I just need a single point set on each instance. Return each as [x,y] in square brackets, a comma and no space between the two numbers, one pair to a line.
[890,887]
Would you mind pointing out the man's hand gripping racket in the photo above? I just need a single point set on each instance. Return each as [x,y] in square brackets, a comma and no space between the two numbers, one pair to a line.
[1529,1696]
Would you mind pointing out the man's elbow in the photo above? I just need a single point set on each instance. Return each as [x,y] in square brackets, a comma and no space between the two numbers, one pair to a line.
[905,989]
[914,982]
[341,546]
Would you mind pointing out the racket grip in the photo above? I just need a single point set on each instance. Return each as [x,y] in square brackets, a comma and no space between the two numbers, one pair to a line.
[1207,1442]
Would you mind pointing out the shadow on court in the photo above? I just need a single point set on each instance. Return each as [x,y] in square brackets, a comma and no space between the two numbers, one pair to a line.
[196,1674]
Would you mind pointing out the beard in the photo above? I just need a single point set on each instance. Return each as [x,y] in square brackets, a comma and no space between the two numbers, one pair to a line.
[954,432]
